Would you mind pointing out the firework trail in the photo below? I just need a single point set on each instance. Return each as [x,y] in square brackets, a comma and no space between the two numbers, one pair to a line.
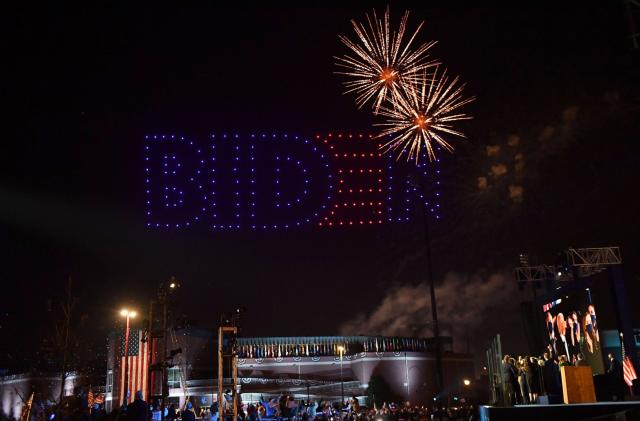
[380,65]
[423,115]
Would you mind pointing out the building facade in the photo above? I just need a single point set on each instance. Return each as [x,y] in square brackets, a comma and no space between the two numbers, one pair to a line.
[311,367]
[15,390]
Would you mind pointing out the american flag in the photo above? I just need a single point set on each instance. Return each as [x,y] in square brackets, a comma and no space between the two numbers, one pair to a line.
[629,371]
[137,366]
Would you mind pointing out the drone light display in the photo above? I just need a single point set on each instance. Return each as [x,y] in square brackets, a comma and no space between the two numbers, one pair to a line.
[261,181]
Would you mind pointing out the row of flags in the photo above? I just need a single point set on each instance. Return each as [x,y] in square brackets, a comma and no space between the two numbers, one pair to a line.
[548,306]
[327,347]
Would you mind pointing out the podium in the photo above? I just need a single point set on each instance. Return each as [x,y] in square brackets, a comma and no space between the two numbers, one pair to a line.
[577,384]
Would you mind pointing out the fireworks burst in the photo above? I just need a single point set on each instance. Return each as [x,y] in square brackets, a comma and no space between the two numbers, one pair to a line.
[422,114]
[381,65]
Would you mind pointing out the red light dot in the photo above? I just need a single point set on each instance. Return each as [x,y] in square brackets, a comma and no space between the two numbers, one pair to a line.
[339,135]
[361,222]
[350,190]
[320,224]
[362,155]
[379,222]
[379,190]
[350,136]
[330,135]
[326,141]
[360,190]
[341,223]
[350,222]
[371,222]
[355,154]
[317,136]
[342,181]
[330,224]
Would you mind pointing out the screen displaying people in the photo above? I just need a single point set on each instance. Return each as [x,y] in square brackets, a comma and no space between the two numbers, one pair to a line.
[573,332]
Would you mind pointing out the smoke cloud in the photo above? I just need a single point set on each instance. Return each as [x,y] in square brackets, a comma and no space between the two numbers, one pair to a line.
[465,304]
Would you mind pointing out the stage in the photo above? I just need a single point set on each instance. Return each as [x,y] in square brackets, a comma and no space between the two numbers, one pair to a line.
[618,411]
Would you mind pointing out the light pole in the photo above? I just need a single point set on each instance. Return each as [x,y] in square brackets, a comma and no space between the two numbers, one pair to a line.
[129,315]
[341,350]
[418,183]
[163,290]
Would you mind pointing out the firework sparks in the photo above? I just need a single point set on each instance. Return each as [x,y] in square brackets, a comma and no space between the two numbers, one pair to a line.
[381,65]
[422,115]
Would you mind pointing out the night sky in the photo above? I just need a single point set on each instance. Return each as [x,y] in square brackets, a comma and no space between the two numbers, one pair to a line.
[83,86]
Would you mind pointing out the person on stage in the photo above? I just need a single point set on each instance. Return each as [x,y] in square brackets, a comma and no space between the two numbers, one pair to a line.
[615,377]
[592,336]
[551,334]
[562,347]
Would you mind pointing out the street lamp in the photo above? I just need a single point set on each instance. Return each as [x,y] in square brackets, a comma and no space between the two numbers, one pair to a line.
[129,314]
[341,350]
[466,382]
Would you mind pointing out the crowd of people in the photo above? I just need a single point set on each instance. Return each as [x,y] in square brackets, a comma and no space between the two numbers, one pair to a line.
[285,407]
[527,377]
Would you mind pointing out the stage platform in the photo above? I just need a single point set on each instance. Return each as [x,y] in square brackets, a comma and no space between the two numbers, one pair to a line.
[601,411]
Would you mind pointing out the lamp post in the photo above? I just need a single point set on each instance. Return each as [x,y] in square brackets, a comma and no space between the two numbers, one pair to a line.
[129,315]
[163,291]
[341,350]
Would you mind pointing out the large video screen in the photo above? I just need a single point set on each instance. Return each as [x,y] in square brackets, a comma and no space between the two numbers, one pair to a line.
[571,331]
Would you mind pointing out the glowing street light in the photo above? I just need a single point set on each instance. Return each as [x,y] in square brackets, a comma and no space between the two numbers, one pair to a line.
[129,314]
[466,382]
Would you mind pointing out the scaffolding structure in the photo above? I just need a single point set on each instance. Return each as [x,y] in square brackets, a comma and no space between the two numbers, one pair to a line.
[227,335]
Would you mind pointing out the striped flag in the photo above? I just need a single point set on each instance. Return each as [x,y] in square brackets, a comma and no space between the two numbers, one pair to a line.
[137,366]
[90,398]
[99,399]
[629,371]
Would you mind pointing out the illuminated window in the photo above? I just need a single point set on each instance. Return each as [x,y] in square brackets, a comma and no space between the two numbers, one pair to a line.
[173,378]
